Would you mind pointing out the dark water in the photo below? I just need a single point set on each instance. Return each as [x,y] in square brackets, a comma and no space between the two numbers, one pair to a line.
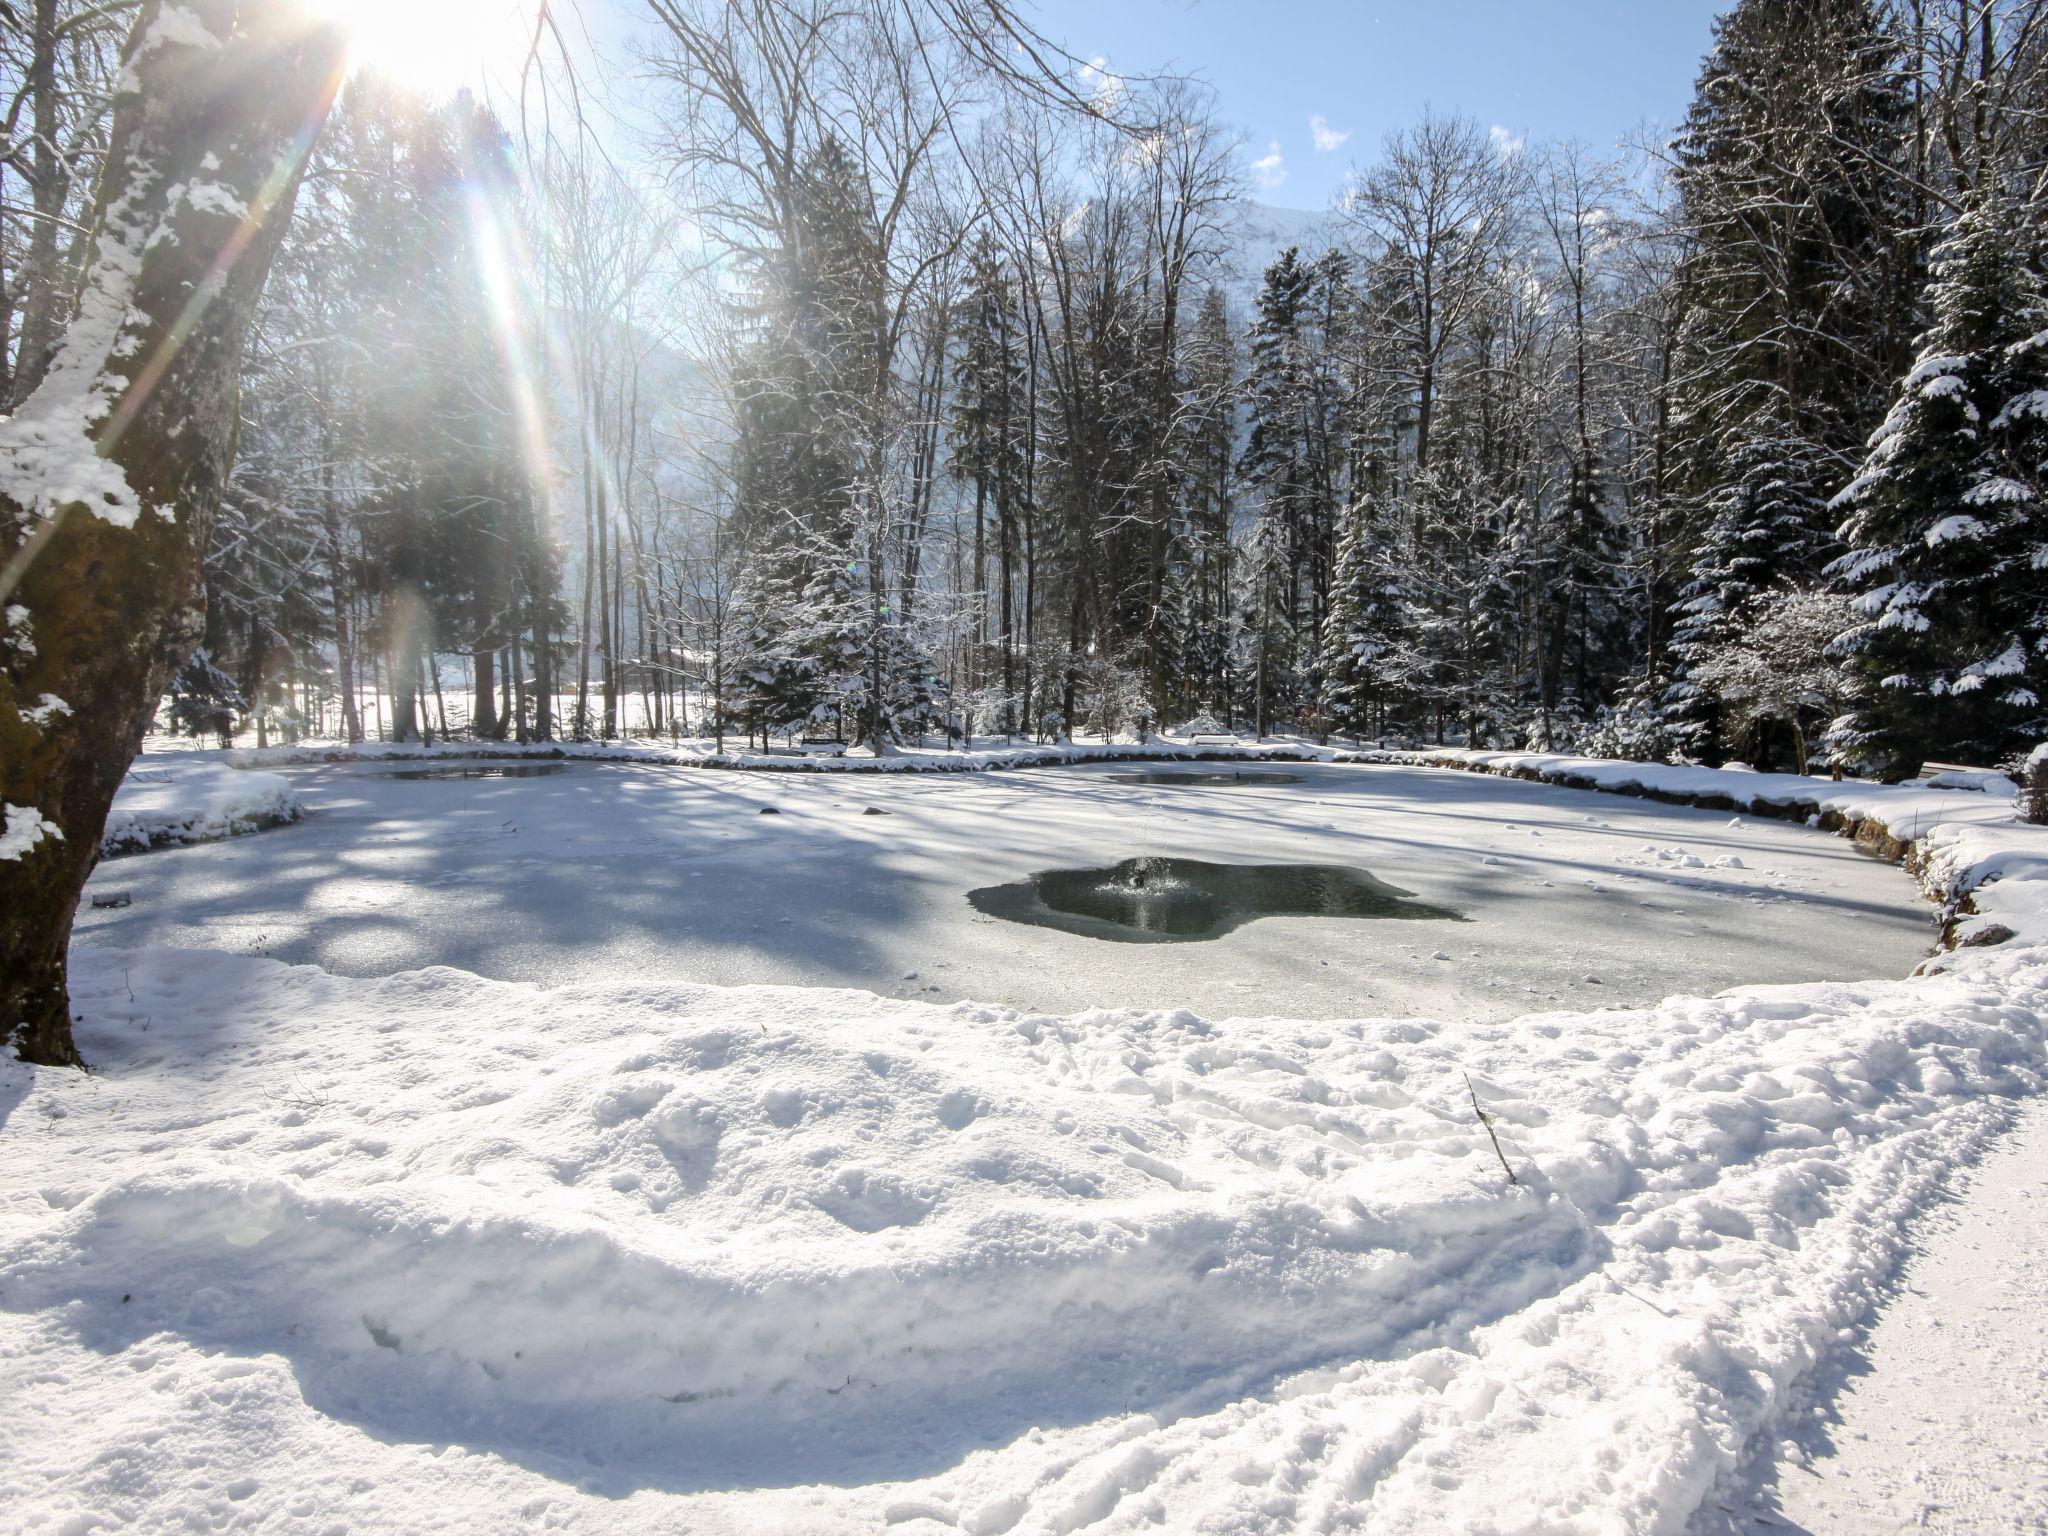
[480,771]
[1163,901]
[1200,779]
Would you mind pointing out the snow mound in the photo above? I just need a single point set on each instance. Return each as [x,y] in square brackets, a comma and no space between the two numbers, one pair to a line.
[1110,1271]
[193,798]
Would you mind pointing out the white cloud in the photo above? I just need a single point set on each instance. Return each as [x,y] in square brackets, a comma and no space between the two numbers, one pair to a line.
[1271,167]
[1326,137]
[1508,144]
[1101,82]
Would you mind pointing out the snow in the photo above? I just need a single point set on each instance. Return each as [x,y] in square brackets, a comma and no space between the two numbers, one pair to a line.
[1935,1419]
[48,457]
[1950,529]
[2032,402]
[1906,809]
[451,1253]
[176,24]
[193,797]
[24,826]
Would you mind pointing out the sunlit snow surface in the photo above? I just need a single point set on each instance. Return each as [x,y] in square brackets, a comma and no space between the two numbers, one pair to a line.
[433,1252]
[606,871]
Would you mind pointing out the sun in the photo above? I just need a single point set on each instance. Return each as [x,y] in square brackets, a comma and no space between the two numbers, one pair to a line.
[434,47]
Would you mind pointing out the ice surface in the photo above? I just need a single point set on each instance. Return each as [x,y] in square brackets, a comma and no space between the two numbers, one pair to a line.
[607,871]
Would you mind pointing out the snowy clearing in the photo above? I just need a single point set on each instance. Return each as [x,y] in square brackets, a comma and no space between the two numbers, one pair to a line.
[435,1252]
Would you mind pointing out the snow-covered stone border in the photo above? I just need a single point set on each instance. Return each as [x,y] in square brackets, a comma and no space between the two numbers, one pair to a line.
[1957,841]
[173,799]
[906,760]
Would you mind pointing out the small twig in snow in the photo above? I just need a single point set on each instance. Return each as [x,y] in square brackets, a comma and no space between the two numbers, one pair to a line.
[1487,1120]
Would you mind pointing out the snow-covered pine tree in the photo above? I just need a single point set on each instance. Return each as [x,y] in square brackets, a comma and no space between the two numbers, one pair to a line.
[1947,524]
[1798,276]
[1277,466]
[205,700]
[1780,667]
[1460,597]
[1359,666]
[1763,515]
[769,685]
[1208,453]
[989,413]
[1268,642]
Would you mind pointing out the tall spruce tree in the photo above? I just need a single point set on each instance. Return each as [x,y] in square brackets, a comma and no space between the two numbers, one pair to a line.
[989,415]
[1798,285]
[1948,522]
[1359,665]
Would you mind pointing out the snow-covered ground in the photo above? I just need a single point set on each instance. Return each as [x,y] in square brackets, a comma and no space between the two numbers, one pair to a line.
[428,1251]
[193,797]
[1937,1419]
[600,871]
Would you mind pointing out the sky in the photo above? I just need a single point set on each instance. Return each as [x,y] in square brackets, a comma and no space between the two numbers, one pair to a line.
[1316,85]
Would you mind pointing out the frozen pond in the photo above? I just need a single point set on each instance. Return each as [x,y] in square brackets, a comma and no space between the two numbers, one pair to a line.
[618,873]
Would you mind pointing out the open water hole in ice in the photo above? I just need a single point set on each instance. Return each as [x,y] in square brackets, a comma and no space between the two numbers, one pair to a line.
[621,872]
[476,771]
[1192,778]
[1166,900]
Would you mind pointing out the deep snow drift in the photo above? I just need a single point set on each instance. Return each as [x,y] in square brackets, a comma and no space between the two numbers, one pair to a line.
[607,870]
[432,1252]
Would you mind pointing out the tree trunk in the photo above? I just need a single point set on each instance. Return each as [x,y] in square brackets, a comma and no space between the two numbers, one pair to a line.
[483,721]
[111,471]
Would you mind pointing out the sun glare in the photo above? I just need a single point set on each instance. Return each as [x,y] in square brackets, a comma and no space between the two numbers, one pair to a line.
[435,47]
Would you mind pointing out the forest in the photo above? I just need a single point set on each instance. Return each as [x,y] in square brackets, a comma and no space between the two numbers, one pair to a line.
[882,390]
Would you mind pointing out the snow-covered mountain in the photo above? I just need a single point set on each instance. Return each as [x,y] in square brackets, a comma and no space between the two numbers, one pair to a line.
[1257,234]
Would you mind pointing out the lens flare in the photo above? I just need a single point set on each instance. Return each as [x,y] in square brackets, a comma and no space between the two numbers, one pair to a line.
[434,47]
[500,260]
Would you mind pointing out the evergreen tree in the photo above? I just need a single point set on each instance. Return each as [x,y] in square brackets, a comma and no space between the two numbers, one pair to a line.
[1278,465]
[1762,516]
[989,415]
[1460,599]
[204,700]
[1947,525]
[1208,453]
[1358,638]
[1798,281]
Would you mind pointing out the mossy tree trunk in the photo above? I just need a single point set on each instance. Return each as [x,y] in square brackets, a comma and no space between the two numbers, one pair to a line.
[112,469]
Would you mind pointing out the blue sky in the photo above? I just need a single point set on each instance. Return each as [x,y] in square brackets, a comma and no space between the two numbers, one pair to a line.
[1544,69]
